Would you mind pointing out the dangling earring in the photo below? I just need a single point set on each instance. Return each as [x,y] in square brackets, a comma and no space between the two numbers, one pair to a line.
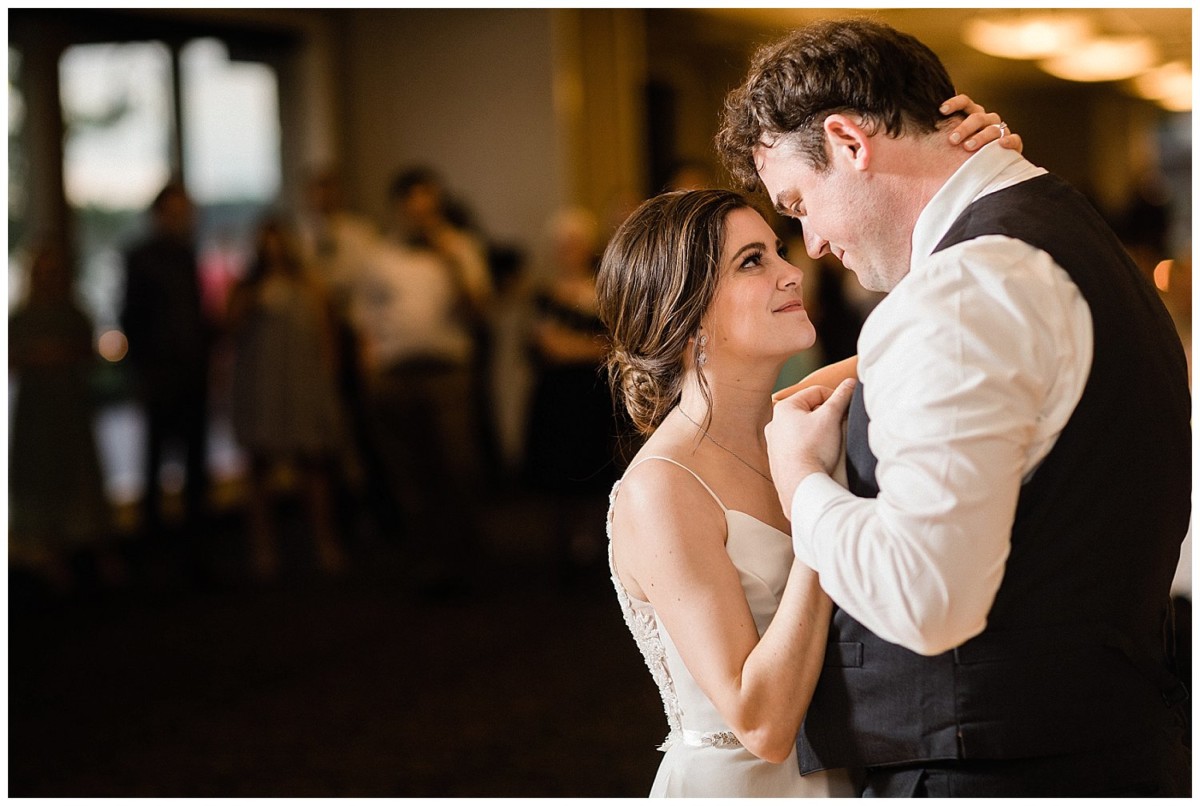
[701,353]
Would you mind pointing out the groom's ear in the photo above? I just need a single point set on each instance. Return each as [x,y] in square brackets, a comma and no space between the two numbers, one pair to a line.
[848,141]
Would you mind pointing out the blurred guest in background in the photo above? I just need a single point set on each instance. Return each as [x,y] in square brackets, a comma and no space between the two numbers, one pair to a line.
[169,343]
[571,430]
[221,264]
[508,373]
[57,504]
[285,406]
[426,216]
[1143,222]
[424,219]
[419,309]
[335,244]
[332,238]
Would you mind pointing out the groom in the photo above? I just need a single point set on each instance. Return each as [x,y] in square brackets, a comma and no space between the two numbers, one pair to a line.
[1017,453]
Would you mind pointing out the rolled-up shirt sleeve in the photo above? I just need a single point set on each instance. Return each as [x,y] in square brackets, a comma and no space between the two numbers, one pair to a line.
[963,380]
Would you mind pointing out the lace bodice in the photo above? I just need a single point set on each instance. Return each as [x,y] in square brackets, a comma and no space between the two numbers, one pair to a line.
[763,557]
[643,624]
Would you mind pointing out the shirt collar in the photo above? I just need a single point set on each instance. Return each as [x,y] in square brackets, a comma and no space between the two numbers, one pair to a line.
[992,168]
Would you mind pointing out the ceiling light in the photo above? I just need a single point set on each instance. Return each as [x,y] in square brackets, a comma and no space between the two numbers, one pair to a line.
[1109,58]
[1026,36]
[1170,85]
[1177,103]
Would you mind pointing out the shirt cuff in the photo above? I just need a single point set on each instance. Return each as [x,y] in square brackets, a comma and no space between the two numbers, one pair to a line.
[812,499]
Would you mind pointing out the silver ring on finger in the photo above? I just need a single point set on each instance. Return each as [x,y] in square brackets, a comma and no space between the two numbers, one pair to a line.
[1003,127]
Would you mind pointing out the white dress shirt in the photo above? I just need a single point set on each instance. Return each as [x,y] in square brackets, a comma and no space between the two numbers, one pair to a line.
[404,306]
[970,368]
[337,247]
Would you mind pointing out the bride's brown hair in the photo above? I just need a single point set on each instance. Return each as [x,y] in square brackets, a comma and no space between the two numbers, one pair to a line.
[657,279]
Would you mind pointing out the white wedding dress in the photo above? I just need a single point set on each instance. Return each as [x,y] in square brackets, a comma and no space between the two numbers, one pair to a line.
[703,756]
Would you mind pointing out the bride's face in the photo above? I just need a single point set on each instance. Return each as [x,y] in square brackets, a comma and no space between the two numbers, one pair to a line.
[757,311]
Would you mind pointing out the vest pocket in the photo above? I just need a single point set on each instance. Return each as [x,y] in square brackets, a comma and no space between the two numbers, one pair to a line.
[844,654]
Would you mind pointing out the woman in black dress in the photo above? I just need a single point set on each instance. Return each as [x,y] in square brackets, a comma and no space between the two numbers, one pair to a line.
[569,455]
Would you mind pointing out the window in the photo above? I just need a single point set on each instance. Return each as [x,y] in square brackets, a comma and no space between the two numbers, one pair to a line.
[18,178]
[120,146]
[231,127]
[116,104]
[118,114]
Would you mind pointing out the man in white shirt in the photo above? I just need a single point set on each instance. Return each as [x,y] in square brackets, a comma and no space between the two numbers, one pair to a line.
[418,308]
[1016,452]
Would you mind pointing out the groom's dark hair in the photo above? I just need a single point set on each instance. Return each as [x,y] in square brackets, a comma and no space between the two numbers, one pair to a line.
[858,66]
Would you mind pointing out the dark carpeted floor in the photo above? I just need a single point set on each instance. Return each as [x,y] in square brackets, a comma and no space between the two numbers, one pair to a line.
[316,686]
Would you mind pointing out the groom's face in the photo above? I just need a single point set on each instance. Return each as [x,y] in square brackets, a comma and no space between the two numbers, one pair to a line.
[838,208]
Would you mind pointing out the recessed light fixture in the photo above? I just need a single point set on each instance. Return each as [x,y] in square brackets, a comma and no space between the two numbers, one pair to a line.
[1169,84]
[1108,58]
[1027,35]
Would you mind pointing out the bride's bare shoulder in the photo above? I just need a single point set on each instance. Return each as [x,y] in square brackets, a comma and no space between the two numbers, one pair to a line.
[664,519]
[662,495]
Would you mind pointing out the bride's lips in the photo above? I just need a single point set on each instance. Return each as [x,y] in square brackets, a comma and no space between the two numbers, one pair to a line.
[794,305]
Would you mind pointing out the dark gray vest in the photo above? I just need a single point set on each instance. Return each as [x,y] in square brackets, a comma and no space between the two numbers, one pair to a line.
[1075,656]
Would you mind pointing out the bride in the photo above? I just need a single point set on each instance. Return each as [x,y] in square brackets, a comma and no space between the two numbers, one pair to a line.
[704,309]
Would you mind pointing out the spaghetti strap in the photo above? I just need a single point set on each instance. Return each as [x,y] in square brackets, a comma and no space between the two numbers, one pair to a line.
[703,484]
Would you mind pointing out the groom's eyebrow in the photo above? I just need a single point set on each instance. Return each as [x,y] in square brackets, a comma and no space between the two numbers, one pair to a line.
[785,209]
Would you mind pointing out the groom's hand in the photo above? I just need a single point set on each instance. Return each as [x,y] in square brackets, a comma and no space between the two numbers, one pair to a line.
[805,436]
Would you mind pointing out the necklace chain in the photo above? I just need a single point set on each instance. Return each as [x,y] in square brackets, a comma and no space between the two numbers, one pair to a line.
[705,434]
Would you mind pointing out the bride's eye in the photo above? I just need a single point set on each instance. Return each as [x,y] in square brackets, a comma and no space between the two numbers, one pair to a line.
[753,259]
[781,249]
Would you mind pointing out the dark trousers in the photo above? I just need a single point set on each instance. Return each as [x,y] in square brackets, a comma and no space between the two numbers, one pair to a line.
[1160,771]
[424,426]
[183,420]
[372,494]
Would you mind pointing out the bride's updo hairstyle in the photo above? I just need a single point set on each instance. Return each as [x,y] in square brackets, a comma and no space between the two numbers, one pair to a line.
[657,279]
